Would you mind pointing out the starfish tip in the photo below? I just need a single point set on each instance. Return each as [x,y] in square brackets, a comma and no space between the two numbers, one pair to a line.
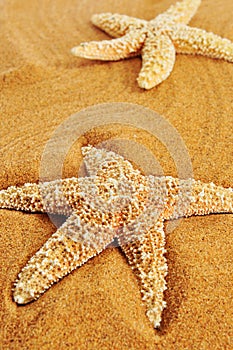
[94,18]
[86,149]
[143,84]
[22,297]
[97,18]
[74,51]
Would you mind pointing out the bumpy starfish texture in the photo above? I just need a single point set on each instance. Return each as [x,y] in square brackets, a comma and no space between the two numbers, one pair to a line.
[114,201]
[157,41]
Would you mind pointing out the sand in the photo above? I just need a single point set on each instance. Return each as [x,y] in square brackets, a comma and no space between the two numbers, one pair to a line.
[98,306]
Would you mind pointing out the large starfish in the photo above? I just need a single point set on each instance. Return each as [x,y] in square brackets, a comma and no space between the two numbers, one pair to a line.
[114,201]
[157,41]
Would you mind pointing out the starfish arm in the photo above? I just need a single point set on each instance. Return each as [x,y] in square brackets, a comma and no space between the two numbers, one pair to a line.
[95,159]
[56,197]
[189,40]
[190,197]
[112,50]
[145,250]
[209,198]
[27,197]
[181,12]
[105,164]
[158,58]
[75,242]
[116,25]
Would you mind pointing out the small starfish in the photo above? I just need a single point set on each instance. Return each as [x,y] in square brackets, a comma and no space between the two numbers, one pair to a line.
[114,201]
[157,41]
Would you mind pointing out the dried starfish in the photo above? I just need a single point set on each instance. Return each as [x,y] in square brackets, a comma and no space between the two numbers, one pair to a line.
[157,41]
[114,201]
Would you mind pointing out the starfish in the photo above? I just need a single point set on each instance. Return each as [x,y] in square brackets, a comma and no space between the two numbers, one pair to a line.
[157,41]
[115,201]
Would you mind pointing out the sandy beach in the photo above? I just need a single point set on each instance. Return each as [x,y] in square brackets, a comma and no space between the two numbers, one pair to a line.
[98,306]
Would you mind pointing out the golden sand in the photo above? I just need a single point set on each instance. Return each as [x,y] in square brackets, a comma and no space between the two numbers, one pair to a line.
[99,305]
